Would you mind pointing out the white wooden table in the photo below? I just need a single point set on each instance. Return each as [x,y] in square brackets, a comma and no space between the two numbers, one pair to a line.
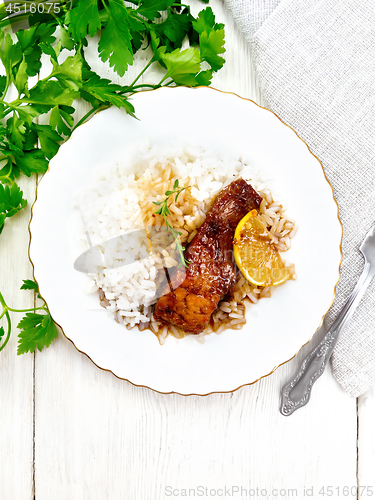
[70,431]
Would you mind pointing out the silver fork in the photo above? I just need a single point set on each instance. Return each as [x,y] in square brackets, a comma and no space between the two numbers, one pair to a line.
[297,392]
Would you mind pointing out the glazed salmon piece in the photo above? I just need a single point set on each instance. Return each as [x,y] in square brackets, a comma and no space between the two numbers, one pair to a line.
[211,271]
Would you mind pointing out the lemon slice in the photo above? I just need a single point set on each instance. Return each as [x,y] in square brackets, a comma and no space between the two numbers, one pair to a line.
[255,255]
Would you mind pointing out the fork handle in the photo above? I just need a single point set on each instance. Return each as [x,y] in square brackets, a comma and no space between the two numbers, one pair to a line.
[297,392]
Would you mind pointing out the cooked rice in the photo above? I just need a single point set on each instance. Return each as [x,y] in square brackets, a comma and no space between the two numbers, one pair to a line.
[120,198]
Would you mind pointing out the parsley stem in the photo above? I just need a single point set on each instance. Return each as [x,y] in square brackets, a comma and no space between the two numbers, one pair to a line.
[87,115]
[180,5]
[9,329]
[7,84]
[106,7]
[7,308]
[6,313]
[3,303]
[6,109]
[10,106]
[144,69]
[7,176]
[143,85]
[27,310]
[163,80]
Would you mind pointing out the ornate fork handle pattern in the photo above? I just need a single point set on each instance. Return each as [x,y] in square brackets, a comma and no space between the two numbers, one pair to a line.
[311,369]
[297,392]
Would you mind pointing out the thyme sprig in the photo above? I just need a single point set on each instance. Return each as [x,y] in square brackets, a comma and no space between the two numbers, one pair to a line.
[164,211]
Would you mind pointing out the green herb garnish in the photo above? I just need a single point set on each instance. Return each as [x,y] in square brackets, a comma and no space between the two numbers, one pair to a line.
[36,330]
[11,202]
[40,118]
[25,145]
[163,210]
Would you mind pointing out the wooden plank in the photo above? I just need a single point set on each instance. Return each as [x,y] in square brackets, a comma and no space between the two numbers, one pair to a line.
[366,442]
[98,437]
[16,372]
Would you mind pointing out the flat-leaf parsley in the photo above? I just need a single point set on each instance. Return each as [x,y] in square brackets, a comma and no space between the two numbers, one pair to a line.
[37,330]
[26,145]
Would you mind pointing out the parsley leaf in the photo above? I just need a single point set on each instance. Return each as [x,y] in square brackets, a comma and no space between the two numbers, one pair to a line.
[151,8]
[65,41]
[158,50]
[49,50]
[182,65]
[3,80]
[211,38]
[2,221]
[204,77]
[10,54]
[115,42]
[32,161]
[11,202]
[11,199]
[83,19]
[61,119]
[22,77]
[16,130]
[3,130]
[173,30]
[47,94]
[123,29]
[37,331]
[2,332]
[106,92]
[49,140]
[205,21]
[30,285]
[68,73]
[31,42]
[27,113]
[211,45]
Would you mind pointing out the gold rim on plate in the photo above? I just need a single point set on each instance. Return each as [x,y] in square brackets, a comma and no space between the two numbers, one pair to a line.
[276,367]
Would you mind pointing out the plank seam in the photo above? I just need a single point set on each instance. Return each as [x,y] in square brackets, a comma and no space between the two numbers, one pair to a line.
[34,360]
[34,392]
[357,449]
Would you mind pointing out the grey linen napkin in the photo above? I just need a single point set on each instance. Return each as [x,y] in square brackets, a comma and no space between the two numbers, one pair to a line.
[315,61]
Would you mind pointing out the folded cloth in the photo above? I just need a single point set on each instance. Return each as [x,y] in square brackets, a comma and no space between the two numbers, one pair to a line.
[315,62]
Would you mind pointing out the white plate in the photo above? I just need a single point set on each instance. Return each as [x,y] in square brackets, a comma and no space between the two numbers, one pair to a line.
[276,327]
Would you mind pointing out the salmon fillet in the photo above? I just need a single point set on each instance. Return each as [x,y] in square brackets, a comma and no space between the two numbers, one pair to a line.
[211,271]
